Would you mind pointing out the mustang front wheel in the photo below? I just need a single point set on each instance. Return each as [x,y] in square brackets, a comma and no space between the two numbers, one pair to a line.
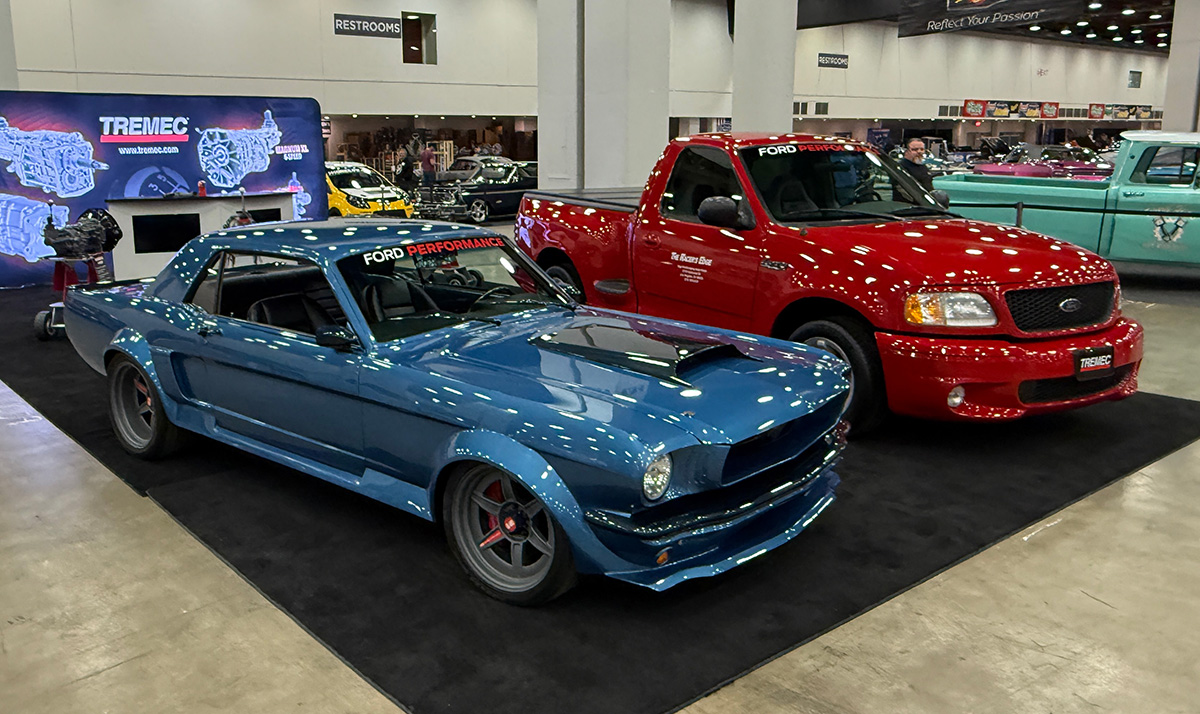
[505,538]
[135,409]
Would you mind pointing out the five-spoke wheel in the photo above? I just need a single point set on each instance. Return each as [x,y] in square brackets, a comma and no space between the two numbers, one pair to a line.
[135,409]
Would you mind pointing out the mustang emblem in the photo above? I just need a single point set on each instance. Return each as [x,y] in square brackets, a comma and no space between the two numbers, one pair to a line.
[1169,229]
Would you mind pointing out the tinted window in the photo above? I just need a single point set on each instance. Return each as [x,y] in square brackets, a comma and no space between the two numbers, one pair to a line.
[700,172]
[1166,165]
[282,292]
[463,165]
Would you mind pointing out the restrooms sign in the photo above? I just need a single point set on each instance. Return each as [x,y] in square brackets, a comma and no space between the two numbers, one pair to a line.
[924,17]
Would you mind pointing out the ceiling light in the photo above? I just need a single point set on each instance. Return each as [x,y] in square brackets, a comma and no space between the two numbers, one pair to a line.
[1136,31]
[1035,28]
[1113,27]
[1094,6]
[1064,31]
[1138,41]
[412,17]
[1118,38]
[1127,11]
[1162,44]
[1091,35]
[1162,34]
[1156,16]
[353,116]
[1081,23]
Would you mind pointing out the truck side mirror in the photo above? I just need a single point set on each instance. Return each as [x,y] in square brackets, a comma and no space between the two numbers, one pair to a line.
[723,212]
[942,198]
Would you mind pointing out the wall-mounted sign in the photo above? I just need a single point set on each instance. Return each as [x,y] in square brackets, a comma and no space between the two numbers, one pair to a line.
[1128,111]
[367,26]
[326,128]
[923,17]
[1095,111]
[1049,110]
[1003,109]
[825,59]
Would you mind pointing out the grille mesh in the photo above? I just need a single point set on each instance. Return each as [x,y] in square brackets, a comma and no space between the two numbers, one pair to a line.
[1039,309]
[1061,389]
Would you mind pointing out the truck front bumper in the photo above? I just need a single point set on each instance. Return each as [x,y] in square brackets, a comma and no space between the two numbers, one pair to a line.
[1003,379]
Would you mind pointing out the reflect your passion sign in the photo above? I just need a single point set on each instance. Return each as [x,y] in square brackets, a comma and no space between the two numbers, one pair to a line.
[923,17]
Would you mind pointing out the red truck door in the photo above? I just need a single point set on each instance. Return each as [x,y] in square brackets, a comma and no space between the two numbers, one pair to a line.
[685,269]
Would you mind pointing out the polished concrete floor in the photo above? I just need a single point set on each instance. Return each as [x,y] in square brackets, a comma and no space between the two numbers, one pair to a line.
[107,605]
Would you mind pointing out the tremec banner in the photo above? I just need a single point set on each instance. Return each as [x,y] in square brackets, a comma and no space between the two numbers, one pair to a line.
[62,153]
[924,17]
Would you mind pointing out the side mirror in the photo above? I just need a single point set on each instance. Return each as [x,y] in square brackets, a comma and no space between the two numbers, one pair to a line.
[337,337]
[942,198]
[724,212]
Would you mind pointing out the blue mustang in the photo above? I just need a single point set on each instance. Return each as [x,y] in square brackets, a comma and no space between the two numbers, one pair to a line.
[437,369]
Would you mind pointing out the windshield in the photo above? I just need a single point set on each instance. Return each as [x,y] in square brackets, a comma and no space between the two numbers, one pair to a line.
[357,178]
[812,182]
[409,288]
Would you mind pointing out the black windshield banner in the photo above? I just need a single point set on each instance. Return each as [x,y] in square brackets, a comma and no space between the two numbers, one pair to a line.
[925,17]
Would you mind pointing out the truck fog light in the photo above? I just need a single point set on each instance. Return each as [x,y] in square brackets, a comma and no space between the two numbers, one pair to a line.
[956,396]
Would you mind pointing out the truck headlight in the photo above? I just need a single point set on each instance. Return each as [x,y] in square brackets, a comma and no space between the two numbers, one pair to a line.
[949,310]
[357,201]
[657,477]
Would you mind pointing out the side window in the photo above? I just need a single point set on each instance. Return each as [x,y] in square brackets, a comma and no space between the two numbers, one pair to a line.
[282,292]
[462,165]
[1166,165]
[700,172]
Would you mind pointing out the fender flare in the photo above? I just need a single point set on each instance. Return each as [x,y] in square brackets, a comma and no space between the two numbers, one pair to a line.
[536,475]
[133,344]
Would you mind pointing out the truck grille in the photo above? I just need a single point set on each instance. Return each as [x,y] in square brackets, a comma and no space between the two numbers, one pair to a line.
[1042,309]
[1062,389]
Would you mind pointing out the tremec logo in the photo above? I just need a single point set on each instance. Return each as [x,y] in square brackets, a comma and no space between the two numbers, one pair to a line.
[143,130]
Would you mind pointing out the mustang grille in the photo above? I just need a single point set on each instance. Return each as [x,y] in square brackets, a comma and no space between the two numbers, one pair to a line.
[1042,309]
[762,451]
[1062,389]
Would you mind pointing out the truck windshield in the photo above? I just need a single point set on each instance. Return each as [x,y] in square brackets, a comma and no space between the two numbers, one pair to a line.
[814,182]
[411,288]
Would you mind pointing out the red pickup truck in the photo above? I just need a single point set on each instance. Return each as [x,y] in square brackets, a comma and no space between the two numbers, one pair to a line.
[827,242]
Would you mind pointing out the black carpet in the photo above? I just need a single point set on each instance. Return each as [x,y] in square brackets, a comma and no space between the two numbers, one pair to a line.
[380,588]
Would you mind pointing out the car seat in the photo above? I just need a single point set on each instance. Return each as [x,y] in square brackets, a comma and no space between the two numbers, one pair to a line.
[294,311]
[385,299]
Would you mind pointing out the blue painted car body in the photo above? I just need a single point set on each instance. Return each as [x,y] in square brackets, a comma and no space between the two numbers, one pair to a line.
[754,431]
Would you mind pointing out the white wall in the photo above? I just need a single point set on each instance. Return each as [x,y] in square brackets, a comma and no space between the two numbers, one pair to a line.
[701,59]
[487,52]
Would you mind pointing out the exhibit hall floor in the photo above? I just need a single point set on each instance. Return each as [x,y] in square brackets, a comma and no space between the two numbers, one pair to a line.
[106,604]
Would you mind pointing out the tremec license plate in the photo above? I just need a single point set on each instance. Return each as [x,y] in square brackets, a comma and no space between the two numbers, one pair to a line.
[1094,362]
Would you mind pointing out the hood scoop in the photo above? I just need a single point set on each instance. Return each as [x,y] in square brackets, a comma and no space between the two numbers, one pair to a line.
[657,354]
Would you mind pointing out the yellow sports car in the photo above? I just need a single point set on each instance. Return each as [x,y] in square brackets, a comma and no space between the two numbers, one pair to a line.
[356,189]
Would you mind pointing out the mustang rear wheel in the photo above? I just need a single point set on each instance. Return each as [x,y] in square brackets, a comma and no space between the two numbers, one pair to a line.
[135,410]
[505,538]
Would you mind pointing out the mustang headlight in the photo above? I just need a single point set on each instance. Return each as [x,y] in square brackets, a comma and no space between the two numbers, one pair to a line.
[949,310]
[657,477]
[357,201]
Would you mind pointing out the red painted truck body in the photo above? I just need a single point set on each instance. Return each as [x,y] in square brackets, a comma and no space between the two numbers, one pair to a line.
[640,252]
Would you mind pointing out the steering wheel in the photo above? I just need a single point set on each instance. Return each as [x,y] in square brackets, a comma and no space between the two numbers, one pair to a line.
[489,293]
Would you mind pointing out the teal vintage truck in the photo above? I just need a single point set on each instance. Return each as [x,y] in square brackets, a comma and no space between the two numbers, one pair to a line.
[1148,211]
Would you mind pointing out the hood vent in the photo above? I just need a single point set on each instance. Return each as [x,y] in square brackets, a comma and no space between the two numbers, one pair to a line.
[657,354]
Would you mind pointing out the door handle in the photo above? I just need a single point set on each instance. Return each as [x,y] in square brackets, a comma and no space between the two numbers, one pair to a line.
[1133,194]
[652,241]
[207,330]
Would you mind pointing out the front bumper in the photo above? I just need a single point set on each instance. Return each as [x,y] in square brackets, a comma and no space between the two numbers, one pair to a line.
[921,371]
[664,553]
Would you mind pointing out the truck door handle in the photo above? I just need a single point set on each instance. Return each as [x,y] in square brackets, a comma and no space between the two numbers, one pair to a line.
[1132,194]
[652,241]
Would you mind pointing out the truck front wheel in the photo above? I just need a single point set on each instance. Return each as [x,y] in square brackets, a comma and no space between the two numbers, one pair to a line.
[852,342]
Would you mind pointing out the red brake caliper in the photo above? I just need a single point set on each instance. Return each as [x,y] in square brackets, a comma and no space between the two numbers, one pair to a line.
[496,494]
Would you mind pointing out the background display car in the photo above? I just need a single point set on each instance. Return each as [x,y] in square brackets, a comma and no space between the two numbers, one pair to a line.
[1139,214]
[465,167]
[437,369]
[831,244]
[1047,161]
[496,190]
[357,189]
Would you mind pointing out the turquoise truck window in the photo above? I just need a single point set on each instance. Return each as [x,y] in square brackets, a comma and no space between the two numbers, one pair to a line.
[1166,165]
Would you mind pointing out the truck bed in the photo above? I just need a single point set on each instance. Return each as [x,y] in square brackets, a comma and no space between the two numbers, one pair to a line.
[625,200]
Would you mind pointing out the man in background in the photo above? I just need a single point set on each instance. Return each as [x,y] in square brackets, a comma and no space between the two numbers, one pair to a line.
[428,170]
[913,162]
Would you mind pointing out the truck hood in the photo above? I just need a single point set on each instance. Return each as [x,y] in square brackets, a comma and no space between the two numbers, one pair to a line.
[964,252]
[641,374]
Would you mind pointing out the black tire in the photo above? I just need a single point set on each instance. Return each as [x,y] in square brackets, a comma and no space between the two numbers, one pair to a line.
[138,421]
[565,274]
[479,211]
[505,538]
[41,326]
[334,213]
[853,341]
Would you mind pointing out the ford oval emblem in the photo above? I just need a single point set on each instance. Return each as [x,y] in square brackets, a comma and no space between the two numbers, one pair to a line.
[1070,305]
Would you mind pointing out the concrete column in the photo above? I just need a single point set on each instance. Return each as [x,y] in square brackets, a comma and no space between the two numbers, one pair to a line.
[1182,109]
[764,65]
[626,60]
[560,93]
[8,48]
[689,126]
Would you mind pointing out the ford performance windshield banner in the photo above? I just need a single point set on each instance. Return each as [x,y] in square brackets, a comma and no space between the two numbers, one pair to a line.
[63,153]
[923,17]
